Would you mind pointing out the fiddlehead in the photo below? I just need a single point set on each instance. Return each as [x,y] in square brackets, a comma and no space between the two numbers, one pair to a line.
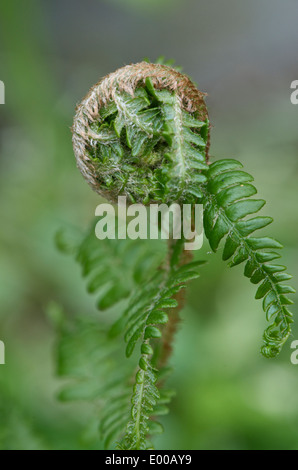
[143,132]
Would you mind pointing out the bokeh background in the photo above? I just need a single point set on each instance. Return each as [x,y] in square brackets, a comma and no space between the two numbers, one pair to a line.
[244,55]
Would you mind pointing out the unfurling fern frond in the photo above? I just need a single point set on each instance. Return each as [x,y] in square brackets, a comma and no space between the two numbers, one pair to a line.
[91,354]
[89,359]
[105,263]
[226,207]
[144,317]
[143,132]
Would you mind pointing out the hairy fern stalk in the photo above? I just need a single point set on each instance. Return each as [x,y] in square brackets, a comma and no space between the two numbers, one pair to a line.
[143,132]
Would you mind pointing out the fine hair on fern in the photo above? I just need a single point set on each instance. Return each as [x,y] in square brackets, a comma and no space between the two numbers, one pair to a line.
[143,132]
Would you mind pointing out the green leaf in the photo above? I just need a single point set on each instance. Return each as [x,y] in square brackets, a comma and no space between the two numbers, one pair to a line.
[262,243]
[229,195]
[220,229]
[225,180]
[217,168]
[246,227]
[240,209]
[157,317]
[226,207]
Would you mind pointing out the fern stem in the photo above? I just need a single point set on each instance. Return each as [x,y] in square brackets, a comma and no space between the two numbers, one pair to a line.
[170,328]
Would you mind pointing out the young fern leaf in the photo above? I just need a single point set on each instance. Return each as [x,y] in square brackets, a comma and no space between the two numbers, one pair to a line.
[144,316]
[90,354]
[143,132]
[226,208]
[105,263]
[90,359]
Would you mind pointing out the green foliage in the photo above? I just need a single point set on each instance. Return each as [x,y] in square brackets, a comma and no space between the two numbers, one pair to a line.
[226,207]
[144,316]
[19,432]
[90,358]
[90,353]
[148,147]
[106,264]
[35,151]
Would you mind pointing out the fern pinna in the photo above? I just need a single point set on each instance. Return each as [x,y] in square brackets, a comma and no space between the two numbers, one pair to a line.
[143,132]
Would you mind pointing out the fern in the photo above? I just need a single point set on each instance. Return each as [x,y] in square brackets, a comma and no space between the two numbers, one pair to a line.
[104,265]
[130,400]
[95,375]
[226,207]
[187,139]
[144,316]
[143,132]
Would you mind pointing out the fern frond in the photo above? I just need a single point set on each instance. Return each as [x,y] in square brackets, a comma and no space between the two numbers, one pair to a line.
[226,207]
[187,138]
[90,353]
[107,262]
[145,316]
[143,132]
[89,359]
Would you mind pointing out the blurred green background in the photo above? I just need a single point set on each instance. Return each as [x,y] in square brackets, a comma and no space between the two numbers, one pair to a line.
[244,55]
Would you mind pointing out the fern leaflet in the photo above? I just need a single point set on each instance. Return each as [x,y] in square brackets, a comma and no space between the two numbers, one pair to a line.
[90,353]
[226,207]
[145,315]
